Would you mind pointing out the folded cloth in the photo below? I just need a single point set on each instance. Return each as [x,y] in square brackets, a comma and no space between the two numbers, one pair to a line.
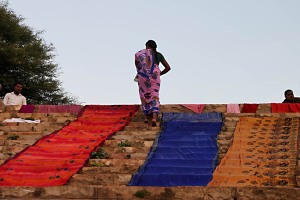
[27,109]
[197,108]
[285,107]
[250,108]
[233,108]
[21,120]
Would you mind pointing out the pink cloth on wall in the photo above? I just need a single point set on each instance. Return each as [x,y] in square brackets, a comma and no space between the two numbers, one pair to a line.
[285,107]
[27,109]
[59,109]
[233,108]
[197,108]
[250,108]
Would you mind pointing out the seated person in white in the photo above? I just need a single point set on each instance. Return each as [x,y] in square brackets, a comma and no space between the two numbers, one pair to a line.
[15,97]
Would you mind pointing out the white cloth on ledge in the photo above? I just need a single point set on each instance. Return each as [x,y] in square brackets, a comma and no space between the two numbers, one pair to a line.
[21,120]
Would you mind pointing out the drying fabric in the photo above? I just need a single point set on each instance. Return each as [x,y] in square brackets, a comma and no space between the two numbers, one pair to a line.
[27,109]
[250,108]
[21,120]
[262,154]
[52,160]
[185,153]
[285,107]
[233,108]
[75,109]
[196,108]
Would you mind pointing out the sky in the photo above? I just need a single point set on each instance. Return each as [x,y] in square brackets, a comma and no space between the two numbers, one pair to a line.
[233,51]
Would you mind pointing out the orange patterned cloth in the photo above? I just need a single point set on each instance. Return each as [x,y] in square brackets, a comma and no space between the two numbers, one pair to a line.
[263,153]
[52,160]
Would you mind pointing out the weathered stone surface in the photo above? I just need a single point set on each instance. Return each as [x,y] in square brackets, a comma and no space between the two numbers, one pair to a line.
[101,179]
[252,193]
[215,108]
[230,124]
[264,108]
[107,178]
[174,108]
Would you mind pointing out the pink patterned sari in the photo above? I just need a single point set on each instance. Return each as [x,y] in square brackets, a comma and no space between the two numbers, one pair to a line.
[148,80]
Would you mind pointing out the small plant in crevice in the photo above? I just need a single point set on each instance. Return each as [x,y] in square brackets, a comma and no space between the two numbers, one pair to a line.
[124,144]
[97,164]
[142,193]
[99,154]
[12,137]
[9,153]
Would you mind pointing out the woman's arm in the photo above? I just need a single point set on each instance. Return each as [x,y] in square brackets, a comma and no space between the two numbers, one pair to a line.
[167,67]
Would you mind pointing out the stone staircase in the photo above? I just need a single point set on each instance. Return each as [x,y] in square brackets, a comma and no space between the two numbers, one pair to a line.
[120,156]
[16,136]
[107,173]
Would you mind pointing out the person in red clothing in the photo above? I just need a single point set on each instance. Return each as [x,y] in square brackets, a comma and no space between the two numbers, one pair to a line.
[290,98]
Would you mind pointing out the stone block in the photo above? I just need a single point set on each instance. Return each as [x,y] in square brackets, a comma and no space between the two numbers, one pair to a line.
[232,119]
[298,181]
[221,137]
[230,124]
[148,144]
[2,156]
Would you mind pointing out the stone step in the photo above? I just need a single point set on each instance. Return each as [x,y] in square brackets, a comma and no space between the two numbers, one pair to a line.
[228,129]
[26,133]
[52,118]
[175,108]
[104,169]
[138,126]
[100,179]
[234,115]
[135,156]
[25,127]
[230,123]
[128,143]
[141,192]
[27,139]
[114,162]
[4,116]
[225,135]
[124,149]
[137,132]
[139,136]
[139,117]
[125,152]
[231,119]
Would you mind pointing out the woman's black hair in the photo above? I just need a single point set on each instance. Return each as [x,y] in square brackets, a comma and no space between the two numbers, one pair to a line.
[152,44]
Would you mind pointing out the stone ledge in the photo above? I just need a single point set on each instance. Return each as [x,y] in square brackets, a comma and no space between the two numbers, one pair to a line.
[127,192]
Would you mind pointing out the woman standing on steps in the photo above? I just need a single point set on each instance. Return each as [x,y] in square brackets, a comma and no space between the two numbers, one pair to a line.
[148,78]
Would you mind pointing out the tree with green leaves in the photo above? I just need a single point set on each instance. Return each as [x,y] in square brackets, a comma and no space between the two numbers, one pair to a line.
[25,57]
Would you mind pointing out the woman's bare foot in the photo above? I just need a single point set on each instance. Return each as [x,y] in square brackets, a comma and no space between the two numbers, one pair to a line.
[154,118]
[153,123]
[146,120]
